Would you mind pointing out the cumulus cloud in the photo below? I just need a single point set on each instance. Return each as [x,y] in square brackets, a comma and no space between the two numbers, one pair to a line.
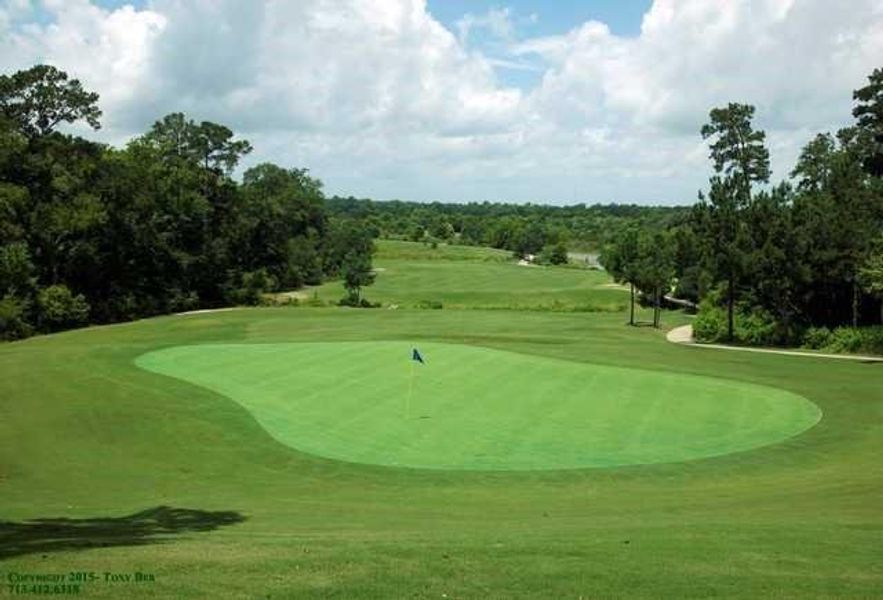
[379,98]
[110,51]
[797,61]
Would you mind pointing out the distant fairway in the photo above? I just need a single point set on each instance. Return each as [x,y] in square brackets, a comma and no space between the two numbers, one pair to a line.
[412,274]
[482,409]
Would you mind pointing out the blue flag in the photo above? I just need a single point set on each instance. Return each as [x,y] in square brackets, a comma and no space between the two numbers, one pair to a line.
[415,355]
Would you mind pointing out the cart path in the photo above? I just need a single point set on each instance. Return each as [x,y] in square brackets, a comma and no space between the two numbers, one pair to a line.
[684,335]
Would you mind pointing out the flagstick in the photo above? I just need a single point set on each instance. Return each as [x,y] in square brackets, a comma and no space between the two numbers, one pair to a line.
[410,391]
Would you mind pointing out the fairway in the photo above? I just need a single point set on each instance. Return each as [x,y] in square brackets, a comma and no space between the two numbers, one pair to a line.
[411,275]
[476,408]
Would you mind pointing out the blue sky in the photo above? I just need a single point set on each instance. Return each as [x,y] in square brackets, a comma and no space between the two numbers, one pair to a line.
[534,18]
[554,17]
[465,100]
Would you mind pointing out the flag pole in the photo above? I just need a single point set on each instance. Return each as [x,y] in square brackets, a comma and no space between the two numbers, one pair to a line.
[410,392]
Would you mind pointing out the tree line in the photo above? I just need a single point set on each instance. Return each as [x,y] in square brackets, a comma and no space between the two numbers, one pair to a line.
[542,230]
[90,233]
[774,264]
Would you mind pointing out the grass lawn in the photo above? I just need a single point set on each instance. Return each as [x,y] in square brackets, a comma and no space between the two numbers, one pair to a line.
[185,476]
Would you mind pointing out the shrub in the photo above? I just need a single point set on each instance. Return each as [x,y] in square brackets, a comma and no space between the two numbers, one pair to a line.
[856,340]
[753,327]
[816,338]
[13,325]
[356,302]
[180,301]
[431,304]
[58,308]
[553,254]
[758,328]
[710,324]
[252,287]
[845,339]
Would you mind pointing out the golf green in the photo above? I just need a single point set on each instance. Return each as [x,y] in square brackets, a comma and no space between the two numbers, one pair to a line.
[475,408]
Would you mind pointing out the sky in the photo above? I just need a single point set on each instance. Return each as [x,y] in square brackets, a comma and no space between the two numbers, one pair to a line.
[465,100]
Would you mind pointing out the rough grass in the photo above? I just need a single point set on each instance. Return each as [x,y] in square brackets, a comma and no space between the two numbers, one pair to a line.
[418,251]
[86,434]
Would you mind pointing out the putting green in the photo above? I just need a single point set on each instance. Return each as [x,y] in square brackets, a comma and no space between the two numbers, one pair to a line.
[482,409]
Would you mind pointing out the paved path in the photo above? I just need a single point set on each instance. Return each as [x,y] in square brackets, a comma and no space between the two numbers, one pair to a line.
[684,335]
[203,311]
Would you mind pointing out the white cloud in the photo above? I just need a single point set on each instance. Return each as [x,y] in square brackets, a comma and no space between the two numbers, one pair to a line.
[796,60]
[109,51]
[378,98]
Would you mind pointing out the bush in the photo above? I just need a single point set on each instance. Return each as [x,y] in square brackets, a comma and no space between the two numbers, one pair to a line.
[13,325]
[431,304]
[710,324]
[758,328]
[356,302]
[553,254]
[252,287]
[856,340]
[58,308]
[752,327]
[180,301]
[816,338]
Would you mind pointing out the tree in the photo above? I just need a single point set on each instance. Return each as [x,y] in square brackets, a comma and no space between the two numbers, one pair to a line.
[836,212]
[284,219]
[215,147]
[775,265]
[348,249]
[16,270]
[869,119]
[871,274]
[357,273]
[655,268]
[206,144]
[620,259]
[554,254]
[814,165]
[39,99]
[737,149]
[687,256]
[740,160]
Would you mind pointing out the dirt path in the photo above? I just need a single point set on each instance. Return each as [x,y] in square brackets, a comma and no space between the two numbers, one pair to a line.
[684,335]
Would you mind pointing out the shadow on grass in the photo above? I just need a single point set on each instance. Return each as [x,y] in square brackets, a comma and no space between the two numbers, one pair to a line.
[151,526]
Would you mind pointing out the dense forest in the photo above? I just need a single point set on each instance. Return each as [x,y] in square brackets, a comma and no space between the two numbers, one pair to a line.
[798,262]
[95,234]
[541,230]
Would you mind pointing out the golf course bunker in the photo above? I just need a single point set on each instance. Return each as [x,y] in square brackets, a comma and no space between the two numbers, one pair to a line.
[474,408]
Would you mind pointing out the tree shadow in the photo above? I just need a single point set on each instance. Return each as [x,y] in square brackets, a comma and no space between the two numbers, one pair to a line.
[151,526]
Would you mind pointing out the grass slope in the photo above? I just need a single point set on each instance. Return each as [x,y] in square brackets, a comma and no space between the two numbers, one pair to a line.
[89,437]
[475,408]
